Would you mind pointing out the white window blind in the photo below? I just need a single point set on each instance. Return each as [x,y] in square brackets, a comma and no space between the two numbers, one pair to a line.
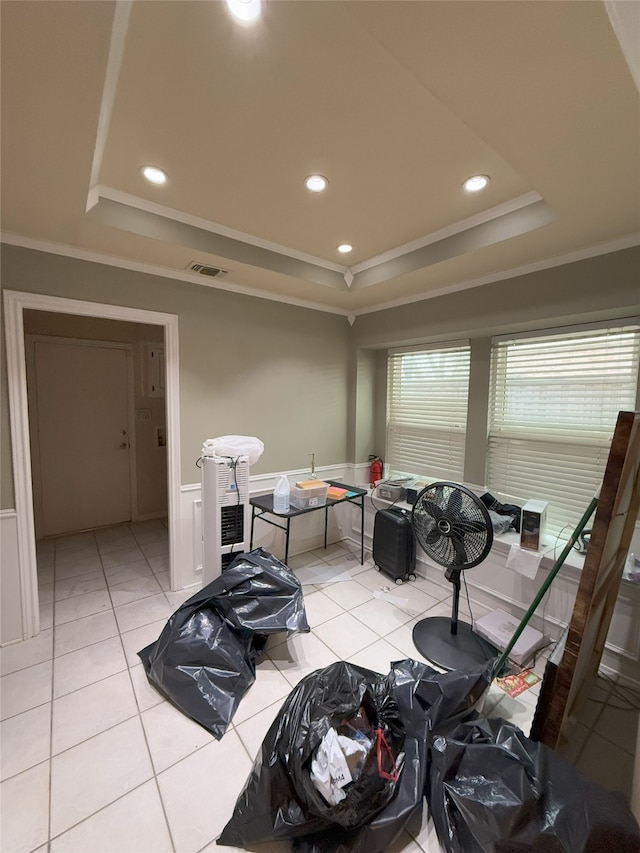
[554,404]
[427,393]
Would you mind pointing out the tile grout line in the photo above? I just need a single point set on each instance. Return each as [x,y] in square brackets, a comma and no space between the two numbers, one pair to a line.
[137,714]
[53,641]
[144,731]
[591,730]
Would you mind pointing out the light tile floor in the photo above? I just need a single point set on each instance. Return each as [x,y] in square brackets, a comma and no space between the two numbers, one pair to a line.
[94,759]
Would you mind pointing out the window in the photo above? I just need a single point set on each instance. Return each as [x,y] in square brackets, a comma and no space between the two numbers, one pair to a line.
[427,391]
[553,408]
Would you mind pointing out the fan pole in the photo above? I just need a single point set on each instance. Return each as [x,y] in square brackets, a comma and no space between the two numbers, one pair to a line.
[545,586]
[453,576]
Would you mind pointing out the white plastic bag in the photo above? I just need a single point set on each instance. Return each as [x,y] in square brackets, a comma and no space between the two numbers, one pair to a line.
[234,445]
[330,769]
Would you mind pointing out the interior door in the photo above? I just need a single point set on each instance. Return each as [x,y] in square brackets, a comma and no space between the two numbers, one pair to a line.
[82,394]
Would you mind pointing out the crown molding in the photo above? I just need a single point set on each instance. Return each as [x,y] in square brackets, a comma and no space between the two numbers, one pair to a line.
[103,192]
[65,250]
[488,215]
[119,31]
[617,245]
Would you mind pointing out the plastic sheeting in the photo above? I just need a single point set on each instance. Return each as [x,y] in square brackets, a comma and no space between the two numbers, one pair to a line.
[204,660]
[279,800]
[491,788]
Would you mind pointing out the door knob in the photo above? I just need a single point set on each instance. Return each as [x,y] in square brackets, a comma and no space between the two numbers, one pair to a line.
[124,446]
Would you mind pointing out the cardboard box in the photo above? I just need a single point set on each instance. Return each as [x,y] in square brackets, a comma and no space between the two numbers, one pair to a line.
[499,627]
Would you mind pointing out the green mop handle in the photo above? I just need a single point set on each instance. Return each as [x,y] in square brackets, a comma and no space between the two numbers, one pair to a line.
[497,668]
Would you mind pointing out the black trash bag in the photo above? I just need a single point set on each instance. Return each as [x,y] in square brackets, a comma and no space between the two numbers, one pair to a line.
[204,659]
[493,790]
[277,802]
[258,594]
[426,699]
[450,697]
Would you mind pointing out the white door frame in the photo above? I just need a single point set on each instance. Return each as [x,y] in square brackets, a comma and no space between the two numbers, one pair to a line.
[15,303]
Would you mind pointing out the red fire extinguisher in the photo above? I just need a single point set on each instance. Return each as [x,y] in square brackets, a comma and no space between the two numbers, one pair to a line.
[375,470]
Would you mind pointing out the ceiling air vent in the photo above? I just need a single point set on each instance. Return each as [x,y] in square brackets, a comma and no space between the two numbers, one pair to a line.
[203,269]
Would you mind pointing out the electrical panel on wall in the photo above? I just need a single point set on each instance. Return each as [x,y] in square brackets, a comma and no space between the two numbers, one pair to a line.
[153,370]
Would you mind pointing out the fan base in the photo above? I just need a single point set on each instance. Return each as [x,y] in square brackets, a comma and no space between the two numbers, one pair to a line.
[433,639]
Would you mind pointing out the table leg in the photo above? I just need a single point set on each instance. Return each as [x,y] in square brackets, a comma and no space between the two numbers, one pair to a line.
[286,543]
[253,518]
[326,514]
[362,530]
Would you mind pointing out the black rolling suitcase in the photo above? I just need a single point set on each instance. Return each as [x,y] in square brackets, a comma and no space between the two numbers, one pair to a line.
[394,547]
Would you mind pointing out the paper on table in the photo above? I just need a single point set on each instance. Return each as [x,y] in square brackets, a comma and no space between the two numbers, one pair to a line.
[523,561]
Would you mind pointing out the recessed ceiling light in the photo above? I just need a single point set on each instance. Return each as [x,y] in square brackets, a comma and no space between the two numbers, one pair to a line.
[476,183]
[245,11]
[155,175]
[345,248]
[316,183]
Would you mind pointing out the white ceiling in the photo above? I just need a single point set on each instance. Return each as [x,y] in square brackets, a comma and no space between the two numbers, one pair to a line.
[396,103]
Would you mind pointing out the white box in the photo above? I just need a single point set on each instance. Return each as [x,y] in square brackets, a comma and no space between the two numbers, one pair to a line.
[499,627]
[533,521]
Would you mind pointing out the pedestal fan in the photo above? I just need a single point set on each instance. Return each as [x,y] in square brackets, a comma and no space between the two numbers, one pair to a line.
[454,528]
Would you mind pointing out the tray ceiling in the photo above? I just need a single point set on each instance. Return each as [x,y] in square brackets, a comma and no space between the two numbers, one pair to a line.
[396,103]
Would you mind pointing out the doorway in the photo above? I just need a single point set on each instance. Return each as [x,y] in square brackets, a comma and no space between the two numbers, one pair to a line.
[80,421]
[15,304]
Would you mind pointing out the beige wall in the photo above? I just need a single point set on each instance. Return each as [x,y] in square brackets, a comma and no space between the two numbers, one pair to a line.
[602,288]
[247,366]
[361,414]
[599,288]
[289,376]
[150,460]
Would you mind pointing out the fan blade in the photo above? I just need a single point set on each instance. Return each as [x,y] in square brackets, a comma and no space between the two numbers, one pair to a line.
[468,526]
[429,513]
[454,502]
[430,508]
[461,551]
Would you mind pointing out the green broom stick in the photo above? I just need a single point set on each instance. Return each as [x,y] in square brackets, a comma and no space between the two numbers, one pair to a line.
[497,668]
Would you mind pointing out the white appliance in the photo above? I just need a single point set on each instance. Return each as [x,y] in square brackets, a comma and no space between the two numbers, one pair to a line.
[226,514]
[532,524]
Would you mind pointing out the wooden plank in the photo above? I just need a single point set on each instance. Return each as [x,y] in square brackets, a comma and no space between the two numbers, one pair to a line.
[599,583]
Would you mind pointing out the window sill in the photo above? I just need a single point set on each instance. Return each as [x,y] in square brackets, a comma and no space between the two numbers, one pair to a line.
[502,542]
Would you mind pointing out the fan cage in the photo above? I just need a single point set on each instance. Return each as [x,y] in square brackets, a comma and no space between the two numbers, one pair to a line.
[452,525]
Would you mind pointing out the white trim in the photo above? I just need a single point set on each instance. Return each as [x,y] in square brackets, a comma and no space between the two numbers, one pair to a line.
[630,323]
[620,243]
[625,20]
[67,251]
[21,456]
[488,215]
[116,50]
[617,245]
[15,302]
[101,191]
[430,347]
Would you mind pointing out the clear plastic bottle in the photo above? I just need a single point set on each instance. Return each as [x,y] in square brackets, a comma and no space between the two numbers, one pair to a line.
[281,495]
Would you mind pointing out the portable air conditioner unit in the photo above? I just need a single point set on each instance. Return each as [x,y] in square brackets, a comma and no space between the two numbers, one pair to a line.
[226,517]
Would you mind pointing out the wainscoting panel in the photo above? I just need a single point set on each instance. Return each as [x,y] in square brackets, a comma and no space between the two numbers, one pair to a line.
[11,621]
